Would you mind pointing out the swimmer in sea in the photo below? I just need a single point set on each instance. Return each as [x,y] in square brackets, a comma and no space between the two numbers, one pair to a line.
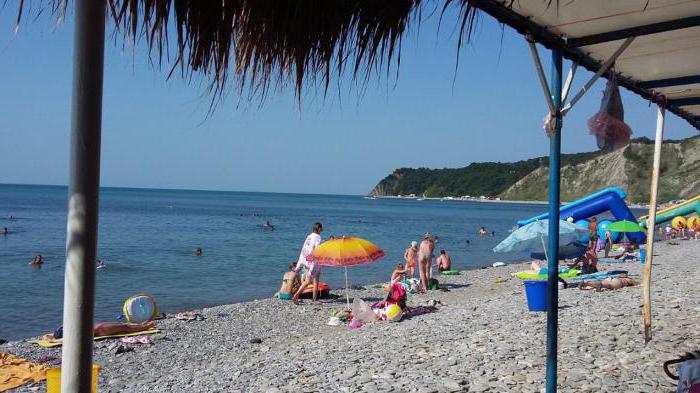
[268,225]
[5,231]
[38,260]
[482,231]
[198,251]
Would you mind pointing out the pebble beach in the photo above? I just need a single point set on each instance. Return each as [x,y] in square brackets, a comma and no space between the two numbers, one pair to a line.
[481,338]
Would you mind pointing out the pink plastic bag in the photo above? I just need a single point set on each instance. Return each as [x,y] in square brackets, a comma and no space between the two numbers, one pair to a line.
[608,125]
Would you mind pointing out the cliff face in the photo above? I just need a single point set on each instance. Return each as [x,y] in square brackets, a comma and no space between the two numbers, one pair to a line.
[387,186]
[581,174]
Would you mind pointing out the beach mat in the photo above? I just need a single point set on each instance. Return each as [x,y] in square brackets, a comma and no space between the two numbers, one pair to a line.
[50,343]
[16,371]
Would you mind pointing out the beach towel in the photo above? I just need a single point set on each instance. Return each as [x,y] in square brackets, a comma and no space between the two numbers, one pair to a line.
[600,275]
[16,371]
[50,343]
[527,275]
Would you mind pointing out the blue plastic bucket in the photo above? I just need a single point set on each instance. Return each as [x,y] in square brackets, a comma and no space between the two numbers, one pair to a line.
[536,293]
[643,255]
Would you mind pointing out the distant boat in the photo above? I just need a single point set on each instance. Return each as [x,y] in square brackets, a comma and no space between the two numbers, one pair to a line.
[420,199]
[370,197]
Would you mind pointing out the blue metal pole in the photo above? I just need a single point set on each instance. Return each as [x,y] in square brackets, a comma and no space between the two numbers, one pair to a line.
[553,237]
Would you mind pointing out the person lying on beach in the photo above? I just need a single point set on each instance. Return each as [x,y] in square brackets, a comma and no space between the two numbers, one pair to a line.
[38,260]
[290,283]
[443,261]
[627,253]
[398,274]
[609,283]
[109,329]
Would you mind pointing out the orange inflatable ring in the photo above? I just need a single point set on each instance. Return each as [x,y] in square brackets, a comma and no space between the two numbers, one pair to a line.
[323,291]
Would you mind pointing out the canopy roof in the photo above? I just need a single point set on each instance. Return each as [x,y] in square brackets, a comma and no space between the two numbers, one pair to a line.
[662,64]
[263,43]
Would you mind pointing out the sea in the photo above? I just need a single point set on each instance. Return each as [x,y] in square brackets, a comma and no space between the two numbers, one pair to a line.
[148,237]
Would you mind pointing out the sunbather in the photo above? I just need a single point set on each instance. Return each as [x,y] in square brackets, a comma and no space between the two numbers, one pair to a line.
[609,283]
[109,329]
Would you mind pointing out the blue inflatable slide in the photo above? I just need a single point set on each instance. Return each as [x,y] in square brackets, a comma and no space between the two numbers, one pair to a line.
[610,199]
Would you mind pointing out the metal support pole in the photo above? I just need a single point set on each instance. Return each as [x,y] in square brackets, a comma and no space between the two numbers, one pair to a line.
[651,221]
[83,193]
[540,75]
[553,235]
[606,66]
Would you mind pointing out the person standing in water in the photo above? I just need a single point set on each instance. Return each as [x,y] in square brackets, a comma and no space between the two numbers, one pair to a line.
[313,272]
[425,259]
[410,257]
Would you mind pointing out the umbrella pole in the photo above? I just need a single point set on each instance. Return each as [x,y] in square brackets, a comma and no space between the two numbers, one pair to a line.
[347,288]
[651,222]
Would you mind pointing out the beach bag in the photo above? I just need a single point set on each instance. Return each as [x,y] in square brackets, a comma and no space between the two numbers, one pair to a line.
[433,284]
[608,125]
[362,312]
[140,308]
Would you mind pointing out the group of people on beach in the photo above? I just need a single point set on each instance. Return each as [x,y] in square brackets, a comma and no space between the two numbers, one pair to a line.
[294,282]
[682,231]
[421,256]
[303,272]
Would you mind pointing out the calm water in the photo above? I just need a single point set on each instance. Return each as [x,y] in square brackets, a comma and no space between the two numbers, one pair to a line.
[148,237]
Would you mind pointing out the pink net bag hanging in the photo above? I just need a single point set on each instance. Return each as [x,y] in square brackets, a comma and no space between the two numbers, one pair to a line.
[608,125]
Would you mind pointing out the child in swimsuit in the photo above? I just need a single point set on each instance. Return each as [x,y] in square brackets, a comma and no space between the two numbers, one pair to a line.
[290,283]
[398,274]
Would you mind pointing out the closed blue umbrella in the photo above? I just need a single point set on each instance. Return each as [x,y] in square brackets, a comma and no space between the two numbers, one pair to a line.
[531,237]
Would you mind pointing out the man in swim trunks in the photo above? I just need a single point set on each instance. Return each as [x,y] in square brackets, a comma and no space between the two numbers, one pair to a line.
[290,283]
[410,257]
[313,272]
[443,261]
[425,259]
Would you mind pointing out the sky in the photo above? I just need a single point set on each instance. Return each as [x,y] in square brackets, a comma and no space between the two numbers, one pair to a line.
[157,134]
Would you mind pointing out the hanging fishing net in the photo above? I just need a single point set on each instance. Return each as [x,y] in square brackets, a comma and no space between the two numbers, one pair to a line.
[608,125]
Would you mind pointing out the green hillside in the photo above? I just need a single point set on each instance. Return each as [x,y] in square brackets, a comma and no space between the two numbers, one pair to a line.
[582,173]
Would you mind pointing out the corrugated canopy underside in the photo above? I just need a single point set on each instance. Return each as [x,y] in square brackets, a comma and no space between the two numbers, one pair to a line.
[662,64]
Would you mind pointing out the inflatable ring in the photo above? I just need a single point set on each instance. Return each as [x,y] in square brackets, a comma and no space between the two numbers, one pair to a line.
[323,291]
[677,222]
[140,308]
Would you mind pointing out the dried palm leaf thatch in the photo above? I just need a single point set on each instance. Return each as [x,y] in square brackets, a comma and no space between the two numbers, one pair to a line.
[261,43]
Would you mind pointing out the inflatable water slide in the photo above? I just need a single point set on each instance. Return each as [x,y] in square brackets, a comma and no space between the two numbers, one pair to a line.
[610,199]
[690,206]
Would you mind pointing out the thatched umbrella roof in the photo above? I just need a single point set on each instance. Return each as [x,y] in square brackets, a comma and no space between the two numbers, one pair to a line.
[263,44]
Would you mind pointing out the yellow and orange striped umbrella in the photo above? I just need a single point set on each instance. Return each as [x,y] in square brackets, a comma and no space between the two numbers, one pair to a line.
[345,251]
